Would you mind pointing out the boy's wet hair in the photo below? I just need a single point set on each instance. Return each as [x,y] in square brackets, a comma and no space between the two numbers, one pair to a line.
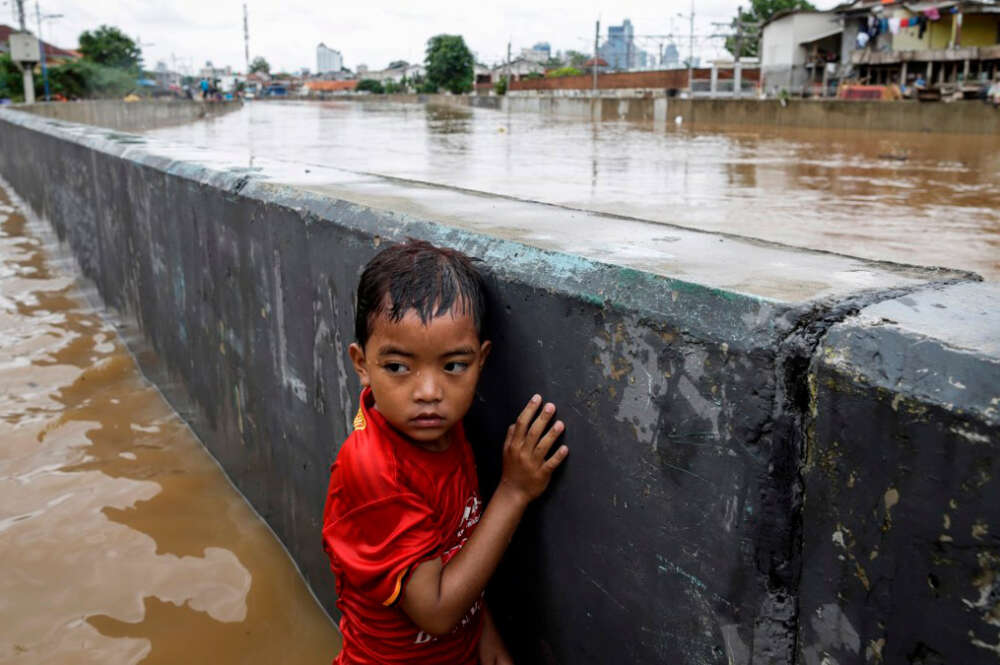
[419,276]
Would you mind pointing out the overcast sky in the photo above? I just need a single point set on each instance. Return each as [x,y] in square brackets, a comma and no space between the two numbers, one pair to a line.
[373,32]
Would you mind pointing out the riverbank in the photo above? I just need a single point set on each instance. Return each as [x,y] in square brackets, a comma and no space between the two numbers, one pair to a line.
[656,108]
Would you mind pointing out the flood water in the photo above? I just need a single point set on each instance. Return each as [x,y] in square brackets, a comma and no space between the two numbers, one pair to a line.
[921,198]
[121,539]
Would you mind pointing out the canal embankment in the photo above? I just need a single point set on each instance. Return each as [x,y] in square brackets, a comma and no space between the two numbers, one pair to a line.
[760,434]
[130,116]
[657,108]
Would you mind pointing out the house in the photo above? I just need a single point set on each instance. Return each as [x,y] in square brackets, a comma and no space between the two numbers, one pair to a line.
[800,51]
[517,69]
[955,43]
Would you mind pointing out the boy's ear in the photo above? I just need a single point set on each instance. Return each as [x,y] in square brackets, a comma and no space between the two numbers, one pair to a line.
[360,364]
[484,352]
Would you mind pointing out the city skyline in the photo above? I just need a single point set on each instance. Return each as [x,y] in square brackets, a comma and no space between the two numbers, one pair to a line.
[187,34]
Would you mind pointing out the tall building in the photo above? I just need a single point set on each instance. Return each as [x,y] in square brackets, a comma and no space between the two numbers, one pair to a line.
[328,59]
[619,50]
[671,56]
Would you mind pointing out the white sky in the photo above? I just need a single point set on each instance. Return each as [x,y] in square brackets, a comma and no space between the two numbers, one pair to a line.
[374,32]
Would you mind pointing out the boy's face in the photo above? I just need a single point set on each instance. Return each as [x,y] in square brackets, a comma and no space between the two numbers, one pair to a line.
[423,377]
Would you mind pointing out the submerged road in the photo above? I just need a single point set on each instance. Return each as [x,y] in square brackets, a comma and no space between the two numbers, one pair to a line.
[122,541]
[926,199]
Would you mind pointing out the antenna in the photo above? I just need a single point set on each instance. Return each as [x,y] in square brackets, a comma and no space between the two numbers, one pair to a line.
[246,38]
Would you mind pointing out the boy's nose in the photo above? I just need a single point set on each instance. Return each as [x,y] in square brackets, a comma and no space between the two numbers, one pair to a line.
[427,388]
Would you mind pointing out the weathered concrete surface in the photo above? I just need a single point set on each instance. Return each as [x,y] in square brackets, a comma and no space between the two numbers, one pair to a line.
[901,556]
[903,116]
[673,534]
[130,116]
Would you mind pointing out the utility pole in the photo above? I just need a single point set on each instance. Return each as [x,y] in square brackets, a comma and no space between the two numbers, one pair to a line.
[26,66]
[691,53]
[246,39]
[597,57]
[507,87]
[41,45]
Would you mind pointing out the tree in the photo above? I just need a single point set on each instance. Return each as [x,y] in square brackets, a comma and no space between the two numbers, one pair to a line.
[371,85]
[109,46]
[449,63]
[390,87]
[746,25]
[259,66]
[10,79]
[563,71]
[576,59]
[398,64]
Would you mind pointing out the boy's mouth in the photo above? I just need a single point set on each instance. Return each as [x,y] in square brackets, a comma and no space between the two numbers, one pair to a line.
[427,420]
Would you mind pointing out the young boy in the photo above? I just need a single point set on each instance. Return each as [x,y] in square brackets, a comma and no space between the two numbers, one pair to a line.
[402,522]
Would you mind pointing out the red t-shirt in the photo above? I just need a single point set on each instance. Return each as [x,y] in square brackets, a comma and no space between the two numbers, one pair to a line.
[392,505]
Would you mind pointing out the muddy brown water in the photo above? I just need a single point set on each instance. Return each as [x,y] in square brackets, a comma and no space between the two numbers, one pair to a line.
[920,198]
[121,539]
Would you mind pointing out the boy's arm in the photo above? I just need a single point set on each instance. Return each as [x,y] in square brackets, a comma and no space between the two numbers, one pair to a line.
[437,596]
[492,650]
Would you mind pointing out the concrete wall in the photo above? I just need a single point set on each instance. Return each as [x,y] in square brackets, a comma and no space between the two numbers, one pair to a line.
[675,533]
[959,118]
[131,116]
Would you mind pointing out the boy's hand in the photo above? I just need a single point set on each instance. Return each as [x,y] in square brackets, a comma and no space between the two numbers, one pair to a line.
[526,472]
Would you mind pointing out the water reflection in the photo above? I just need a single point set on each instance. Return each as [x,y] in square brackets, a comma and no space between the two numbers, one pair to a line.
[121,539]
[931,199]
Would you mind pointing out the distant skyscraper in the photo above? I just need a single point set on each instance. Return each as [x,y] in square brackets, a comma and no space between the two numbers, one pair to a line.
[671,56]
[619,50]
[328,59]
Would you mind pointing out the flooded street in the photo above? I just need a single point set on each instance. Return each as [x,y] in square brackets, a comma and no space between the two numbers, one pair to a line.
[121,539]
[927,199]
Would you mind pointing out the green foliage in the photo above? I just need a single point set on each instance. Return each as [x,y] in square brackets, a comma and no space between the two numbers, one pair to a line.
[500,87]
[260,66]
[576,59]
[392,88]
[109,46]
[10,79]
[83,79]
[563,71]
[449,63]
[371,85]
[427,88]
[748,24]
[398,64]
[531,76]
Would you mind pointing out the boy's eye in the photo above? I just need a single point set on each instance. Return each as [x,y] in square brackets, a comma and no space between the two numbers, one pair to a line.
[394,368]
[456,367]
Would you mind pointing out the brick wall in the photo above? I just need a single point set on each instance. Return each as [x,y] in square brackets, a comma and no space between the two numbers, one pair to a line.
[662,79]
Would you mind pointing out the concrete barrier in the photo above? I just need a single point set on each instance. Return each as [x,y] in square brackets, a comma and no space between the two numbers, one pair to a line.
[901,555]
[689,388]
[906,116]
[130,116]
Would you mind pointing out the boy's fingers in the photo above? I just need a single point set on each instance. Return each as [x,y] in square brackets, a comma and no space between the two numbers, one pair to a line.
[541,422]
[509,439]
[557,458]
[542,449]
[524,420]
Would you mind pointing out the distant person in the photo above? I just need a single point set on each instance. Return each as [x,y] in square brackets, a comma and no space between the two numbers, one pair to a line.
[920,82]
[204,88]
[993,94]
[408,541]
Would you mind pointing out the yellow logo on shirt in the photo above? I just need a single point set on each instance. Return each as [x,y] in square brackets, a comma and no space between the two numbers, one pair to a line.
[359,420]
